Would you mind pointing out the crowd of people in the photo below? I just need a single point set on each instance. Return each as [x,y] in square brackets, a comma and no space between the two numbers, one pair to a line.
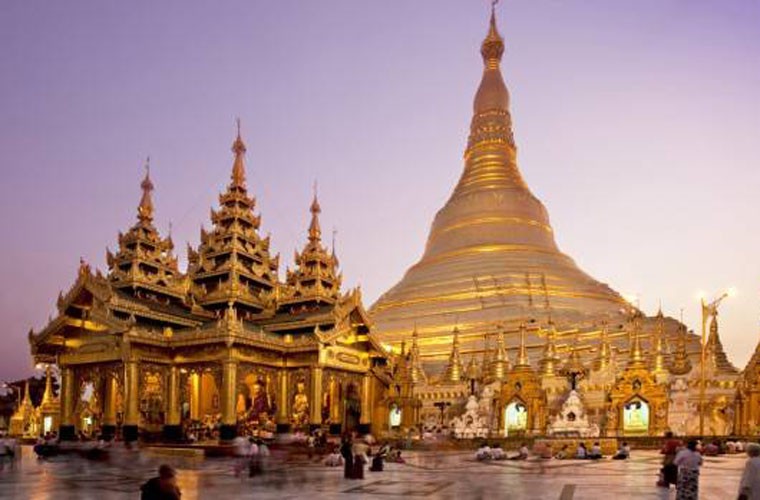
[681,465]
[543,450]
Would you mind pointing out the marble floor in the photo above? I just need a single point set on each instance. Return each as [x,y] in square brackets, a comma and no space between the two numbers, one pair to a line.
[449,475]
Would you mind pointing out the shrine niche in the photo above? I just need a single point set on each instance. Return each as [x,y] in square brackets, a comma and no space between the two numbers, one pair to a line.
[637,405]
[515,417]
[152,399]
[88,408]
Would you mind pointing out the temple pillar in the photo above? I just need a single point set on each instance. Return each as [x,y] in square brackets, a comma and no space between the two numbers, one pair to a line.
[228,430]
[283,406]
[172,428]
[67,430]
[365,419]
[195,395]
[109,408]
[315,410]
[131,400]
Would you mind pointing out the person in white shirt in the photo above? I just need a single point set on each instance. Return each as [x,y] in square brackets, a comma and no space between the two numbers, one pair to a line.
[688,460]
[497,453]
[581,452]
[596,452]
[483,453]
[749,486]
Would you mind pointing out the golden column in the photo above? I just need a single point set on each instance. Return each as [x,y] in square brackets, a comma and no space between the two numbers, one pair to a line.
[283,406]
[173,410]
[366,416]
[315,412]
[132,399]
[67,428]
[195,395]
[109,404]
[228,430]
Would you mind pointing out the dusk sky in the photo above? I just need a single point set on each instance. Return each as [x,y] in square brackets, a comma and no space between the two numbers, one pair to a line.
[637,123]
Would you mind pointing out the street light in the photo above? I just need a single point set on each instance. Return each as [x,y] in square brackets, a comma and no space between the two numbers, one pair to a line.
[709,309]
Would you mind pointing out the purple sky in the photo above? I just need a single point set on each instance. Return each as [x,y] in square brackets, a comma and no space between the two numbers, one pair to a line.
[637,125]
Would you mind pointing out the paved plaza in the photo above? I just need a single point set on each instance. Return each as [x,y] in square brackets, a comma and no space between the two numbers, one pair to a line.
[447,475]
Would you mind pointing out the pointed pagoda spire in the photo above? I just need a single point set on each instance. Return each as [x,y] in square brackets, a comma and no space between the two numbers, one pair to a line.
[454,371]
[715,353]
[316,277]
[27,400]
[145,208]
[233,266]
[636,355]
[604,355]
[238,166]
[522,353]
[499,365]
[144,261]
[549,359]
[315,232]
[659,365]
[418,374]
[48,397]
[490,222]
[680,364]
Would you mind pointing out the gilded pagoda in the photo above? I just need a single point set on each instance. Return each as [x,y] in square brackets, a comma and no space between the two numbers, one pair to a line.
[146,348]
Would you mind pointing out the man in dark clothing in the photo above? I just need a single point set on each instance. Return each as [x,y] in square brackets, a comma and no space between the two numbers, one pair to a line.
[346,451]
[163,487]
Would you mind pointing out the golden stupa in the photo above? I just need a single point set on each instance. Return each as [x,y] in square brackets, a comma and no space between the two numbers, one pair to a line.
[491,257]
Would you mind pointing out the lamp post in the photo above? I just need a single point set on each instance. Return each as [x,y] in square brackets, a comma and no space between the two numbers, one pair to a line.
[709,309]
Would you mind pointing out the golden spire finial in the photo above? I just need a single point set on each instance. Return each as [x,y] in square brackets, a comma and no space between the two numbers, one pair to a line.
[238,168]
[315,232]
[493,46]
[145,209]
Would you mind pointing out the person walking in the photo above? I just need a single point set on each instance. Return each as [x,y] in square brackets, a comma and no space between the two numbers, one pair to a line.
[162,487]
[669,471]
[688,461]
[749,486]
[347,452]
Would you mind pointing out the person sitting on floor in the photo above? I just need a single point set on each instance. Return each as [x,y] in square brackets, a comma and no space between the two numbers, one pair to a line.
[596,452]
[522,453]
[497,453]
[333,458]
[581,452]
[623,453]
[562,453]
[483,453]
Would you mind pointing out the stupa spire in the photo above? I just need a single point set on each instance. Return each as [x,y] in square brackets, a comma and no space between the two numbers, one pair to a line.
[680,364]
[636,355]
[549,360]
[660,364]
[315,232]
[491,223]
[47,397]
[522,353]
[716,354]
[417,372]
[604,355]
[499,365]
[145,208]
[454,369]
[238,166]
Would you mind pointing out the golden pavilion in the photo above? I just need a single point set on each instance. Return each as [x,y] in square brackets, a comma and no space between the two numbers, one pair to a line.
[146,348]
